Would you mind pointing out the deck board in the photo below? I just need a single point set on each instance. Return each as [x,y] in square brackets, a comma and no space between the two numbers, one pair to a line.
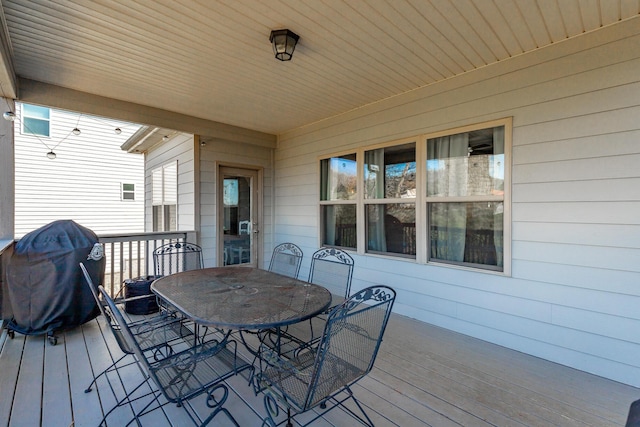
[424,376]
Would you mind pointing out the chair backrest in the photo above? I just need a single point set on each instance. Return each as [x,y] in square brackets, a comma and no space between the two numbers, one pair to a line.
[350,342]
[118,323]
[333,269]
[286,260]
[243,227]
[177,257]
[115,329]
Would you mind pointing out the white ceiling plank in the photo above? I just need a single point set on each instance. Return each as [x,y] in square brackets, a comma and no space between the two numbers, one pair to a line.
[610,11]
[516,22]
[212,60]
[535,22]
[553,21]
[571,17]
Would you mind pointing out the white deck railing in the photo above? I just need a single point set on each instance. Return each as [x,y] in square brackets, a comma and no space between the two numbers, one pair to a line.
[131,255]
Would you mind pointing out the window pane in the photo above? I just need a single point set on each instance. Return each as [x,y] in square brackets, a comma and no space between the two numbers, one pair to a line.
[230,195]
[35,111]
[170,218]
[466,164]
[390,172]
[156,187]
[170,183]
[128,187]
[35,126]
[338,178]
[128,196]
[467,233]
[157,218]
[339,225]
[391,228]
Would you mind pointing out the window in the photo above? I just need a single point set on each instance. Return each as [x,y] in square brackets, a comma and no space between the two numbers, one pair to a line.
[128,192]
[390,199]
[165,197]
[440,198]
[465,198]
[35,120]
[338,193]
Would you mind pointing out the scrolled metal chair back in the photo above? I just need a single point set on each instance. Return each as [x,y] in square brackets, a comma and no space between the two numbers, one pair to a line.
[113,325]
[177,257]
[333,269]
[350,342]
[286,260]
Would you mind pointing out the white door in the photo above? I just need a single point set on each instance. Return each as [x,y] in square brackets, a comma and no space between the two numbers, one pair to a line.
[238,216]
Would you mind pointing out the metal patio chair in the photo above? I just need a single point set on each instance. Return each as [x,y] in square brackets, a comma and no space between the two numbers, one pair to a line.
[181,376]
[333,269]
[156,335]
[322,376]
[176,257]
[286,260]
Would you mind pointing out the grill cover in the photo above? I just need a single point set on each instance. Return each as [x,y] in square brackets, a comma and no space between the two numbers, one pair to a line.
[46,289]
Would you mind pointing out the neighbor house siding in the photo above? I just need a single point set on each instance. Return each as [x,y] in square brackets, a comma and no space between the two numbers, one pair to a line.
[572,296]
[178,149]
[224,153]
[83,182]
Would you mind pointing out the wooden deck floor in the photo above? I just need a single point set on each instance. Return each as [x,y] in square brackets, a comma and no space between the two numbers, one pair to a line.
[424,376]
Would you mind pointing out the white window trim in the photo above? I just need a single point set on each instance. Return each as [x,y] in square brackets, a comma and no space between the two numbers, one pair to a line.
[123,191]
[25,132]
[421,197]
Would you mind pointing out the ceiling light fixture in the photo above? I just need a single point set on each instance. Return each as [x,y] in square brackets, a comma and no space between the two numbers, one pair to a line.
[165,138]
[284,43]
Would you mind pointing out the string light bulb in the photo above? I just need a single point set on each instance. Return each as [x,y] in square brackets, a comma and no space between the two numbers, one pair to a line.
[9,116]
[76,131]
[51,155]
[118,131]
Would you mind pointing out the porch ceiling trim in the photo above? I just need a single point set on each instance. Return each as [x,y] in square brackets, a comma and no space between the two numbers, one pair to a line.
[8,78]
[35,92]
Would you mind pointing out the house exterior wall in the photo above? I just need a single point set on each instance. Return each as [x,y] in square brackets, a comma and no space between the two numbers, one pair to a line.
[7,180]
[572,295]
[224,153]
[178,149]
[83,182]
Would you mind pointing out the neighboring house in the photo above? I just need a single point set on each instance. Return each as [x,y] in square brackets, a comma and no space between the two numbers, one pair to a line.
[553,218]
[90,180]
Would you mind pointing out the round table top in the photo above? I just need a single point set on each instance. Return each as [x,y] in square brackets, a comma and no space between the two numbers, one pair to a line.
[241,297]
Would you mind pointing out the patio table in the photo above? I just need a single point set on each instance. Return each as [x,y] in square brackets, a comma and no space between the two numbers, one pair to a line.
[241,298]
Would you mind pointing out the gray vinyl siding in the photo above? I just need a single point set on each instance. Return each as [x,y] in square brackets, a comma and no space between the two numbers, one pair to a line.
[219,152]
[7,179]
[84,182]
[178,149]
[572,296]
[215,152]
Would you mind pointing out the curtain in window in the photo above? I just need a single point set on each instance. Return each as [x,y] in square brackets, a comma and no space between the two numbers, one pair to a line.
[498,216]
[375,185]
[449,220]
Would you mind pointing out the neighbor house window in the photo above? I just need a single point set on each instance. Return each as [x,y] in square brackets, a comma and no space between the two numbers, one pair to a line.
[35,120]
[165,197]
[128,192]
[338,194]
[438,198]
[390,199]
[465,198]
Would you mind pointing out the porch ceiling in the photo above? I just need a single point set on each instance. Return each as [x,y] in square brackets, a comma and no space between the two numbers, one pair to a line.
[212,59]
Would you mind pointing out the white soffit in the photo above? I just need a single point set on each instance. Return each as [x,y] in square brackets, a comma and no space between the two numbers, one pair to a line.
[212,60]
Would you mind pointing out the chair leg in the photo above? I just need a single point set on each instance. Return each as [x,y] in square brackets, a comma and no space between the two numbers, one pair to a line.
[104,372]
